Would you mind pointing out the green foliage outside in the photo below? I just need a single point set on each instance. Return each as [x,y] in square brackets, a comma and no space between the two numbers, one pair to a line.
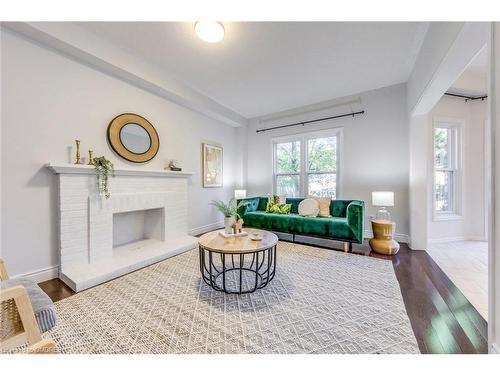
[322,157]
[441,146]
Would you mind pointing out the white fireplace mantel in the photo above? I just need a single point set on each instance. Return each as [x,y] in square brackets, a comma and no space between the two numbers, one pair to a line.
[66,168]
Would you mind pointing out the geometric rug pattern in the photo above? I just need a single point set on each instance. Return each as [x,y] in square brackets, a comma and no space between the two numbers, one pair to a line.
[320,301]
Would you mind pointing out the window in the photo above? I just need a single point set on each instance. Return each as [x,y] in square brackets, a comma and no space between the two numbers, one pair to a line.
[307,165]
[288,168]
[447,163]
[322,167]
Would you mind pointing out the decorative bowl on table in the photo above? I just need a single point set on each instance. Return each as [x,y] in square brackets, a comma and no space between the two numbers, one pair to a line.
[256,236]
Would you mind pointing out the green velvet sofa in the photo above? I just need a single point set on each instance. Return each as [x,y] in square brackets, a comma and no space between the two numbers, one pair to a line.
[345,224]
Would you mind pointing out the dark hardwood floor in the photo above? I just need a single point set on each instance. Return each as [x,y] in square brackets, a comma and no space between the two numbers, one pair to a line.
[56,289]
[442,319]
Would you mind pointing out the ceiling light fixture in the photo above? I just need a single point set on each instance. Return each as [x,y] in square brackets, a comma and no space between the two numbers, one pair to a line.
[210,32]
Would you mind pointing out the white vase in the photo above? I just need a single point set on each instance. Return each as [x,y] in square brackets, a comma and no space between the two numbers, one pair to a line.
[228,225]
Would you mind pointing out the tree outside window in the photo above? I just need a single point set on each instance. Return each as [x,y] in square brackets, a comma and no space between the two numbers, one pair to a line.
[306,165]
[322,167]
[288,168]
[446,168]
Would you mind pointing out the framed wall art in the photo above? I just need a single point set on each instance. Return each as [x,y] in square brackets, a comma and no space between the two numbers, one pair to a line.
[212,159]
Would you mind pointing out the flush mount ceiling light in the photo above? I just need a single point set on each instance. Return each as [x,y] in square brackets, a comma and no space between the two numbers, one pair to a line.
[210,32]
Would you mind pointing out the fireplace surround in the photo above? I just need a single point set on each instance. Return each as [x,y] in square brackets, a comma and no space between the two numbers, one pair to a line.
[88,255]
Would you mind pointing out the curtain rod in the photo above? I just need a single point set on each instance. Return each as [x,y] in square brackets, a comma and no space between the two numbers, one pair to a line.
[466,97]
[310,121]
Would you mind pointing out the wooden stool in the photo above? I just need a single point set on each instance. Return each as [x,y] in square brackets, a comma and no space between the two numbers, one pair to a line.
[382,241]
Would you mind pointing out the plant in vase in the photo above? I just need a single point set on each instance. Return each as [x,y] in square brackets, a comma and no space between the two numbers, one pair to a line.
[230,212]
[103,167]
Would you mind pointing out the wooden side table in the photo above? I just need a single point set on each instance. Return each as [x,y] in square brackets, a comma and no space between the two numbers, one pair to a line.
[383,241]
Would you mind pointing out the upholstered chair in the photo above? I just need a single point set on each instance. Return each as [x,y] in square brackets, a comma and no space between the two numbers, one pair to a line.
[26,312]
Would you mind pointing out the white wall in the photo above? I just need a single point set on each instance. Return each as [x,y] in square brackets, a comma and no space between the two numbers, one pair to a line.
[472,225]
[494,199]
[419,195]
[375,148]
[48,101]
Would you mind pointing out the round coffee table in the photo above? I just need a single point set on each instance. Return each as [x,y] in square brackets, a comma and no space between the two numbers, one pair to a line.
[237,265]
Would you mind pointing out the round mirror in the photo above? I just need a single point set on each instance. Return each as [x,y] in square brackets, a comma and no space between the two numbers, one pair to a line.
[133,138]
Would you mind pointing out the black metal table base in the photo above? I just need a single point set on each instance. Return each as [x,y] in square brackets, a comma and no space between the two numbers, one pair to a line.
[237,273]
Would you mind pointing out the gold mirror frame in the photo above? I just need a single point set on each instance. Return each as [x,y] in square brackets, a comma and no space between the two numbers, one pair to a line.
[114,129]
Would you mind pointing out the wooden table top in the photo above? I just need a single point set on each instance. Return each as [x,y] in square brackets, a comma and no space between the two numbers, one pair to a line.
[215,242]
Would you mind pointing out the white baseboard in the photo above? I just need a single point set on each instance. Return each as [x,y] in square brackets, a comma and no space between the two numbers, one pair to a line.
[456,239]
[400,237]
[40,275]
[411,248]
[206,228]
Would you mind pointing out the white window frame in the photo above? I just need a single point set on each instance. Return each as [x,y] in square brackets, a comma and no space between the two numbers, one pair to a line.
[276,141]
[456,150]
[304,172]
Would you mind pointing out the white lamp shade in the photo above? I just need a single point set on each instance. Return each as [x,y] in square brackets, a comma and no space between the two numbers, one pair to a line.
[240,193]
[383,198]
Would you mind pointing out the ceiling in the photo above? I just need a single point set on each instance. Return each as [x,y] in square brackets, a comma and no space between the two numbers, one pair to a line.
[474,79]
[265,67]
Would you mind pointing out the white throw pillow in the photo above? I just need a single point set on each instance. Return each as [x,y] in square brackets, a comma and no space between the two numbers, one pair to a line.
[309,207]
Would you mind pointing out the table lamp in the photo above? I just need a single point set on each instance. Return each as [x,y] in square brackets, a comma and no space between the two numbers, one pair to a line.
[383,199]
[240,193]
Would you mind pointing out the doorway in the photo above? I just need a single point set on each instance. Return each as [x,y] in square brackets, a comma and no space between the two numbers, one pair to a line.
[458,190]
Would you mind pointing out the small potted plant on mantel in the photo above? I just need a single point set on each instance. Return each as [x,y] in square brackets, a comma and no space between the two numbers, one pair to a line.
[230,212]
[103,168]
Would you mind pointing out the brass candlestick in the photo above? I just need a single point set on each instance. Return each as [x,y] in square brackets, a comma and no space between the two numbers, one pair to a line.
[78,160]
[91,158]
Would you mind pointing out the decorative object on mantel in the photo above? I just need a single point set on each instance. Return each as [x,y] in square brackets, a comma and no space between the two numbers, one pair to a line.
[133,138]
[230,212]
[91,158]
[78,160]
[212,158]
[174,165]
[102,169]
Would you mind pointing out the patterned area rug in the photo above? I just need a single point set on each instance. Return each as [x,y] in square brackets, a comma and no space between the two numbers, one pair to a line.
[320,301]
